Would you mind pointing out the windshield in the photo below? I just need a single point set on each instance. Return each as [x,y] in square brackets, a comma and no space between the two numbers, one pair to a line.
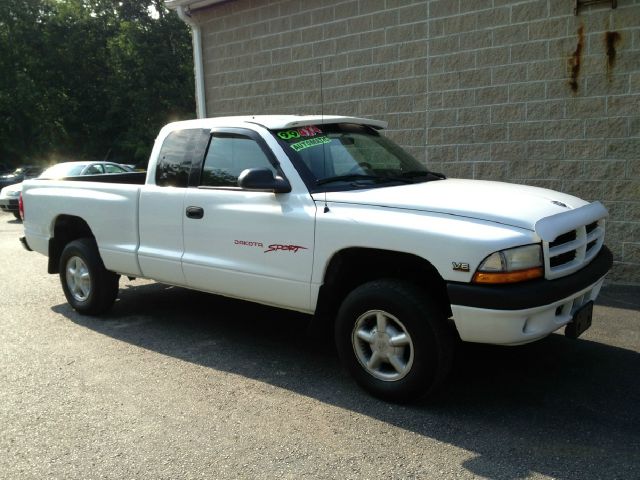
[340,157]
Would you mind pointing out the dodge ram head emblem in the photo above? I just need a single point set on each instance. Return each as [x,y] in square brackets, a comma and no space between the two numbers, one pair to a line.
[460,267]
[560,204]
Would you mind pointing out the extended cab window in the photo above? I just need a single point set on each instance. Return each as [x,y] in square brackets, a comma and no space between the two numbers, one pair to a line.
[180,150]
[228,156]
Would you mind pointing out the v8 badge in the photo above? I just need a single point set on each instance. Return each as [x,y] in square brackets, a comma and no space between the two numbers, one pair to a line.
[460,267]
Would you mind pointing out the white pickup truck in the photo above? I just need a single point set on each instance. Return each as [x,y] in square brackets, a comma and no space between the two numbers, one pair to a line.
[324,215]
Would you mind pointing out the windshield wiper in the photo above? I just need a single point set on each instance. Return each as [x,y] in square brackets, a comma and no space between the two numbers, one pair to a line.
[406,177]
[346,178]
[423,173]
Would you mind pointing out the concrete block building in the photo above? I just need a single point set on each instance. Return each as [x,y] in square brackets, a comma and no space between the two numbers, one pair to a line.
[540,92]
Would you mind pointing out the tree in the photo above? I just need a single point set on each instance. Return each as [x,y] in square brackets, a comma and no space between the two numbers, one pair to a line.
[90,78]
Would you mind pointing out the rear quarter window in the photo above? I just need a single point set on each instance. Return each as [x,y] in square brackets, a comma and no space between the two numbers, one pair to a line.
[179,152]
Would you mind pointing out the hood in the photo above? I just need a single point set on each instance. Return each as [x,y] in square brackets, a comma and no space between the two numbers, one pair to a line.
[516,205]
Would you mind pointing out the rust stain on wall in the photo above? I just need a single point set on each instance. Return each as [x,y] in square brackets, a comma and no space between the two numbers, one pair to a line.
[575,61]
[611,40]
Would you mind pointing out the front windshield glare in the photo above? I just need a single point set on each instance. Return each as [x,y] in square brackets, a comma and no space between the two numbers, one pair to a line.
[348,153]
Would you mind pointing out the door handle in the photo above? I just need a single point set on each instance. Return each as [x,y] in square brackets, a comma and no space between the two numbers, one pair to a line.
[195,212]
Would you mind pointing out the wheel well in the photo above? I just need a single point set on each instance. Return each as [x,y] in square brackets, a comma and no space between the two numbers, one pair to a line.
[354,266]
[66,229]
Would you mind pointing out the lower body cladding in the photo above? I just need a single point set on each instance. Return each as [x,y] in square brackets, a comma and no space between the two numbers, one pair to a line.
[526,312]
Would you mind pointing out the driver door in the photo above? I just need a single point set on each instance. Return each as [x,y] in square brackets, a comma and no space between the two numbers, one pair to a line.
[251,245]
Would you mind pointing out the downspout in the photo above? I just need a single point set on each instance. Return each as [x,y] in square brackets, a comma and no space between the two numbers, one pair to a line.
[201,105]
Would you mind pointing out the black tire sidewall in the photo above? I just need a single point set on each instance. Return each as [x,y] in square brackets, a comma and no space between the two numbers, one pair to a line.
[103,282]
[422,319]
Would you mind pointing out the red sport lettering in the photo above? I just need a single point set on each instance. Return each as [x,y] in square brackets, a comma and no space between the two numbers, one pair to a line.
[285,248]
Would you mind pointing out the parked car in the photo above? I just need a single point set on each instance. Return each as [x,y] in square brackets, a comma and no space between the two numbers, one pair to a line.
[20,174]
[77,169]
[9,199]
[10,194]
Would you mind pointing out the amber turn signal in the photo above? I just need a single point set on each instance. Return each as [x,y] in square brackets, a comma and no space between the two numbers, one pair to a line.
[508,277]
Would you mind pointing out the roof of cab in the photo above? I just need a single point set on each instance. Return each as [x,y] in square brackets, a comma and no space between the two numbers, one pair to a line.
[275,122]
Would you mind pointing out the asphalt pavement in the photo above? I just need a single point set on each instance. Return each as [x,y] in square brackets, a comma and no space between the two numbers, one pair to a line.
[175,384]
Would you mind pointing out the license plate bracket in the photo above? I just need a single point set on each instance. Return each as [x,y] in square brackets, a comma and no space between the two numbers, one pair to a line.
[581,321]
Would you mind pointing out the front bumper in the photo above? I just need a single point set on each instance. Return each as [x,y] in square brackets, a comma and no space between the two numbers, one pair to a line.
[9,204]
[524,312]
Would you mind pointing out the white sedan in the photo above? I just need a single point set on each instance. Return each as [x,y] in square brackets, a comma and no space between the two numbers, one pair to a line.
[9,196]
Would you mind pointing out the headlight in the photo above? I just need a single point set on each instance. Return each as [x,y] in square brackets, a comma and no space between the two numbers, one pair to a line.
[510,266]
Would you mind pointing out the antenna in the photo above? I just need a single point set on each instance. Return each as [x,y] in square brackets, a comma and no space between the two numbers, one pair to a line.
[321,94]
[324,155]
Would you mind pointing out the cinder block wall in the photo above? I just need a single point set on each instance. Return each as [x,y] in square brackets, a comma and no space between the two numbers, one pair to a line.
[516,90]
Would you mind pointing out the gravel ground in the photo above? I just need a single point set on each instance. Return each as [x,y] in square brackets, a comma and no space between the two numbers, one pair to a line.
[174,384]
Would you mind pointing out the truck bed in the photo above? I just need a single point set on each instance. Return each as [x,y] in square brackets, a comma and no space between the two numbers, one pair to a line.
[108,204]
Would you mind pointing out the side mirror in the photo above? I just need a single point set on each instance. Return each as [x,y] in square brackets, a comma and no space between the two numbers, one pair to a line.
[262,180]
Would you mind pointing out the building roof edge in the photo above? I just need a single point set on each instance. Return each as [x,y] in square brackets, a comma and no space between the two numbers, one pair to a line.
[193,4]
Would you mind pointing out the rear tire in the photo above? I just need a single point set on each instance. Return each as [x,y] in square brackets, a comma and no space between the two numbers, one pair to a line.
[17,215]
[394,340]
[89,287]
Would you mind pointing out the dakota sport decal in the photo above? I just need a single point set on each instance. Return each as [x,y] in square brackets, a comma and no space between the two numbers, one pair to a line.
[285,248]
[248,244]
[271,248]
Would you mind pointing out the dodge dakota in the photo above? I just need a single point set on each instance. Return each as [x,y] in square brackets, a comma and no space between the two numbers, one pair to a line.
[327,216]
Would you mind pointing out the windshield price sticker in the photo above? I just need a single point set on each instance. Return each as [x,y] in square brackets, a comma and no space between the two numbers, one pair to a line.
[312,142]
[303,132]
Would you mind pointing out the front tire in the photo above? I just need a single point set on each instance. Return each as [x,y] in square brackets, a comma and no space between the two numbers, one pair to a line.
[89,287]
[394,340]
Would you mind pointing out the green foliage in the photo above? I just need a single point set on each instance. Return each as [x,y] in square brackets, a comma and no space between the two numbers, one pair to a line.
[90,78]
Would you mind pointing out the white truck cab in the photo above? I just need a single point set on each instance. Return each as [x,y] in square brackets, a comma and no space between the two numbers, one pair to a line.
[324,215]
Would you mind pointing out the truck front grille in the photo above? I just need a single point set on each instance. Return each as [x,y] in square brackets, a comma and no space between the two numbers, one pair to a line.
[572,250]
